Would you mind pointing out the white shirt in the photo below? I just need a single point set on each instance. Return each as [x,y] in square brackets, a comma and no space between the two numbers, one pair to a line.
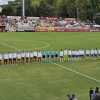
[73,52]
[10,55]
[92,52]
[77,53]
[19,56]
[61,53]
[88,52]
[27,54]
[65,52]
[99,51]
[69,52]
[35,53]
[31,54]
[82,52]
[5,56]
[23,54]
[39,54]
[1,57]
[14,55]
[95,52]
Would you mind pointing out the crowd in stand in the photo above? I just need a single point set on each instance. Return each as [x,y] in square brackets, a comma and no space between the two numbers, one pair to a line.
[20,24]
[44,24]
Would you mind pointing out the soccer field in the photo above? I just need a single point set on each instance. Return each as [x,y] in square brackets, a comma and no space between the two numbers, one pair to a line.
[48,81]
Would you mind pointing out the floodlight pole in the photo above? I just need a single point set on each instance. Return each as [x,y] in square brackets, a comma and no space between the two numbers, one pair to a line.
[93,7]
[77,11]
[23,6]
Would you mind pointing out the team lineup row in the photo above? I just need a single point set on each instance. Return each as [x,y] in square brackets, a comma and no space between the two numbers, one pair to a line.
[38,56]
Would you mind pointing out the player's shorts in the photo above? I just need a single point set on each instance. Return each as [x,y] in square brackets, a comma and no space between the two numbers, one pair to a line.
[87,55]
[31,57]
[39,57]
[69,56]
[92,54]
[22,58]
[95,55]
[14,59]
[56,55]
[48,56]
[0,60]
[52,56]
[5,60]
[81,55]
[61,56]
[35,57]
[77,56]
[10,59]
[18,59]
[43,56]
[27,58]
[73,56]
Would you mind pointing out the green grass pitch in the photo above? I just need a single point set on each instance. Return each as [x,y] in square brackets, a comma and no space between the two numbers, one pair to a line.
[48,81]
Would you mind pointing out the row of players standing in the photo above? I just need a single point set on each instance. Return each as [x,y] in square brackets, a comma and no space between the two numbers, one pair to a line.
[46,56]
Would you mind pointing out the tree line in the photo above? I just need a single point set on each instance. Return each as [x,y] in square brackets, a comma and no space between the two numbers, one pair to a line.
[82,9]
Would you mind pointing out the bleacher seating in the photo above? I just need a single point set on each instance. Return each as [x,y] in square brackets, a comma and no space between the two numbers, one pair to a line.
[45,24]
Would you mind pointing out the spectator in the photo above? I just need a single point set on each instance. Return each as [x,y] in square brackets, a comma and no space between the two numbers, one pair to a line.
[93,95]
[97,97]
[74,97]
[97,90]
[69,97]
[91,91]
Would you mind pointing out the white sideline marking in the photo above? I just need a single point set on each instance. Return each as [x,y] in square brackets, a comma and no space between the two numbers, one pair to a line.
[78,73]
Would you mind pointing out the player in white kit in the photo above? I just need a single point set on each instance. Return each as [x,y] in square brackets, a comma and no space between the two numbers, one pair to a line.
[88,52]
[27,55]
[10,58]
[39,55]
[65,54]
[14,57]
[96,52]
[99,52]
[31,56]
[35,53]
[92,52]
[23,57]
[5,57]
[18,58]
[61,54]
[69,55]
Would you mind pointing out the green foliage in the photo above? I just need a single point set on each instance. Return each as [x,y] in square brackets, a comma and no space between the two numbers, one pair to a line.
[65,8]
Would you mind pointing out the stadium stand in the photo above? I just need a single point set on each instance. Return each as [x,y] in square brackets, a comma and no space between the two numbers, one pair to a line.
[2,23]
[44,24]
